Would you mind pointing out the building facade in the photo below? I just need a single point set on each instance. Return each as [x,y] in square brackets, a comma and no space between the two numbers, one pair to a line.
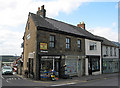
[110,56]
[54,45]
[93,57]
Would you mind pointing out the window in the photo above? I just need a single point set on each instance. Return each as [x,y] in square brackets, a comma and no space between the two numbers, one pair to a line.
[95,64]
[67,43]
[28,36]
[106,50]
[93,46]
[52,41]
[115,52]
[79,43]
[110,51]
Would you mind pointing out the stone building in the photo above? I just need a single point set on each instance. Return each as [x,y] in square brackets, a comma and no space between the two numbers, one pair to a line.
[50,44]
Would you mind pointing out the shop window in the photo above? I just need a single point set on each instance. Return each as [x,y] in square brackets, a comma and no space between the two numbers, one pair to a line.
[79,43]
[93,46]
[104,65]
[67,43]
[71,66]
[52,41]
[95,64]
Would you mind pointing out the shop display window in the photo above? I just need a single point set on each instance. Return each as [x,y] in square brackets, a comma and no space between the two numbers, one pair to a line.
[48,68]
[95,64]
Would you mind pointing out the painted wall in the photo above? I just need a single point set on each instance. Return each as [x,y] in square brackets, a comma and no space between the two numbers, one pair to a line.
[113,54]
[96,52]
[92,52]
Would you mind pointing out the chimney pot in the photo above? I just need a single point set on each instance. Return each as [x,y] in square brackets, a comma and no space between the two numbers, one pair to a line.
[42,7]
[83,22]
[38,8]
[41,12]
[81,25]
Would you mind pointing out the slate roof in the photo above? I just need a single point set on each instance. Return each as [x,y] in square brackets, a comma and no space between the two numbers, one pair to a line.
[53,24]
[117,43]
[107,42]
[71,28]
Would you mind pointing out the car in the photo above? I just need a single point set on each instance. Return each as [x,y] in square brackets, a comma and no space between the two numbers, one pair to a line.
[7,70]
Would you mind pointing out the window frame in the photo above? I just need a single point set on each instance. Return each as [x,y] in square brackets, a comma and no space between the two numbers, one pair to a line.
[94,45]
[79,45]
[106,50]
[115,53]
[52,41]
[68,43]
[111,51]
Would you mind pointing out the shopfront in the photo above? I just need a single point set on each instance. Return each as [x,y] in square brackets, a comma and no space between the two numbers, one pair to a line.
[48,65]
[110,65]
[74,65]
[93,64]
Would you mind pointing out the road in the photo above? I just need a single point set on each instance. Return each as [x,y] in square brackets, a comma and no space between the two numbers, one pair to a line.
[11,81]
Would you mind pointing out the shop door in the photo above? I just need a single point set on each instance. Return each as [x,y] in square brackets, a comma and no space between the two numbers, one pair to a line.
[31,66]
[90,66]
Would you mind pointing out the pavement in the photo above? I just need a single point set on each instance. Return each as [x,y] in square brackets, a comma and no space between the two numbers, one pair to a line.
[74,80]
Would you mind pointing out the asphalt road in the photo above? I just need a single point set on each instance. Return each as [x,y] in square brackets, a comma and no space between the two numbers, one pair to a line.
[100,82]
[14,81]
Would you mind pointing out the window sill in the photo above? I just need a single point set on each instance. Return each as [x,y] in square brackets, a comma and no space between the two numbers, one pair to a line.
[67,49]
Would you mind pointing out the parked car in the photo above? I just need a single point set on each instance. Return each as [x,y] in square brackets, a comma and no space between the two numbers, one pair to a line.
[7,70]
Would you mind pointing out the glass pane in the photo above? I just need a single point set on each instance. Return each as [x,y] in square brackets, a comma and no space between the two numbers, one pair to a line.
[78,41]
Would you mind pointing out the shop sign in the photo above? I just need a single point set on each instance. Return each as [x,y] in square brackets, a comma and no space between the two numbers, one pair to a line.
[47,57]
[43,46]
[31,55]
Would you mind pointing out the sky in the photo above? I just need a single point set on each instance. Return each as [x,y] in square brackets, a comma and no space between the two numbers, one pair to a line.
[100,17]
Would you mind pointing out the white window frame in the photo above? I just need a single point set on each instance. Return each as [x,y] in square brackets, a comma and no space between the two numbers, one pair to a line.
[94,45]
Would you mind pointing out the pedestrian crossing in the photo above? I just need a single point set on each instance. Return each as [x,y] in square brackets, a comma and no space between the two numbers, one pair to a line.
[11,78]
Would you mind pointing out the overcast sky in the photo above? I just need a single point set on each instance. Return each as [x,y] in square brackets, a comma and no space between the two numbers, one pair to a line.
[100,17]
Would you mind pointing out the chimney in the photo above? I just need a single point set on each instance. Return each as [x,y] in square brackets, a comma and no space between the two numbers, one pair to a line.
[41,12]
[81,25]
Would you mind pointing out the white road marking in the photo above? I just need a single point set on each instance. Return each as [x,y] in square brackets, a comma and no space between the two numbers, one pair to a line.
[6,80]
[71,83]
[2,77]
[9,78]
[63,84]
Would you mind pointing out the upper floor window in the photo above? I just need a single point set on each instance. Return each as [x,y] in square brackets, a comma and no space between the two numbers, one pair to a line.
[93,46]
[28,36]
[106,50]
[115,52]
[79,43]
[52,41]
[110,51]
[67,43]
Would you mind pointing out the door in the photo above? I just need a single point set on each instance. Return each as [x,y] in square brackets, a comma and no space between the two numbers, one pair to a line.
[31,67]
[90,66]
